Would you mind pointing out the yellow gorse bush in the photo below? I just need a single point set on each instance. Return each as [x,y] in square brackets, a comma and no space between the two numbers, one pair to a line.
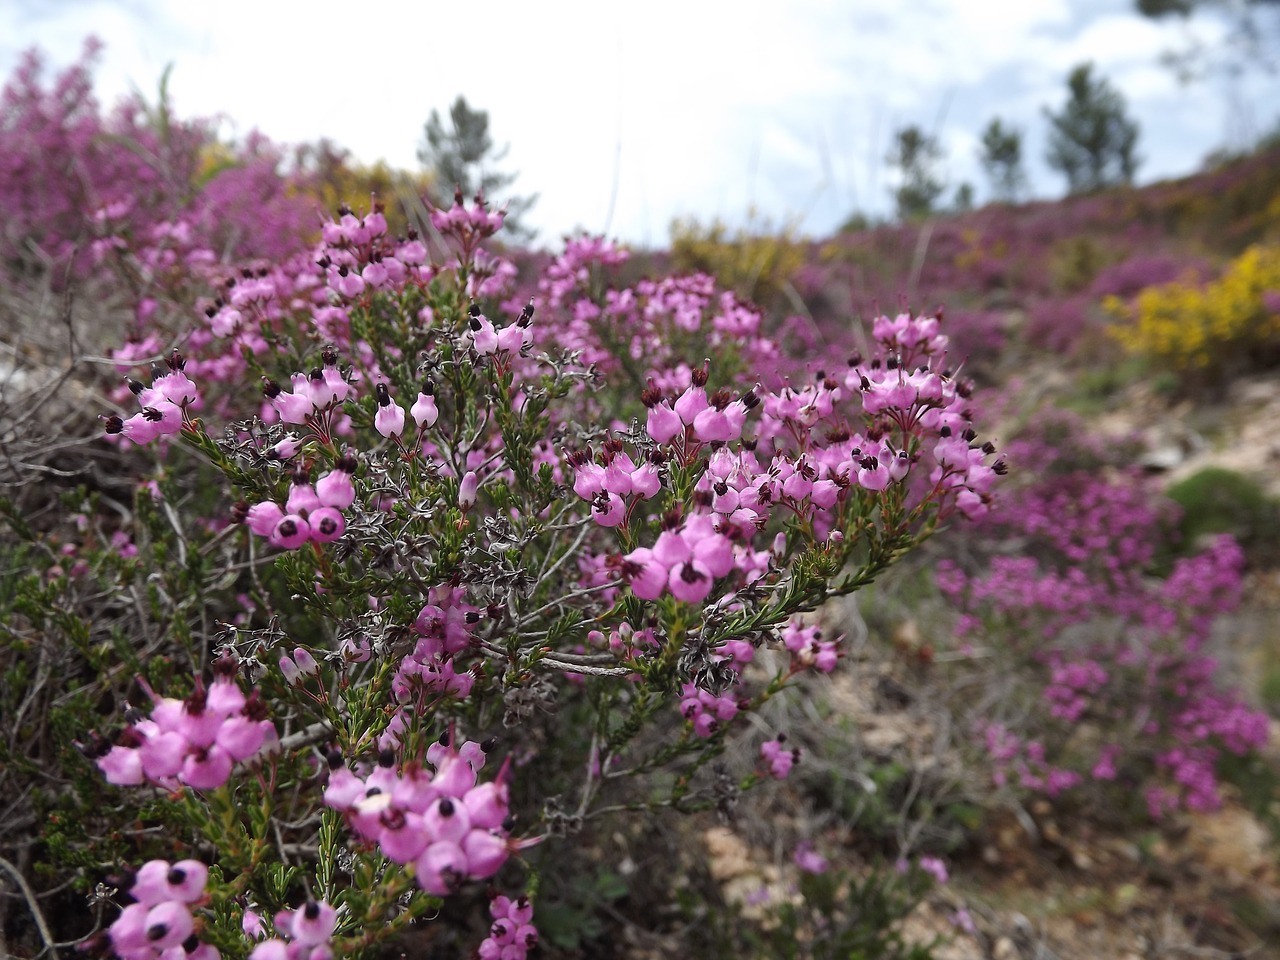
[1194,327]
[756,261]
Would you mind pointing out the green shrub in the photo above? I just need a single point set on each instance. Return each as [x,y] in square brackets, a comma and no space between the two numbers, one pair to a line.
[1216,500]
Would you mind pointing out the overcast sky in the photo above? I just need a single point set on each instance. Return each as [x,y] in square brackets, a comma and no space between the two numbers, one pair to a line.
[625,116]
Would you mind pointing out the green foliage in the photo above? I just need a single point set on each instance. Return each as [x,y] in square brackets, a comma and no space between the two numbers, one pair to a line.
[1092,139]
[1074,263]
[915,155]
[836,915]
[574,919]
[1216,500]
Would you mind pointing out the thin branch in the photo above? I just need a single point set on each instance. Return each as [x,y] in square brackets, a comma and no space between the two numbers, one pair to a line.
[50,945]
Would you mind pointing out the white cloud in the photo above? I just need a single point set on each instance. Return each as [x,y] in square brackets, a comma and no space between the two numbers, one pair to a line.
[678,107]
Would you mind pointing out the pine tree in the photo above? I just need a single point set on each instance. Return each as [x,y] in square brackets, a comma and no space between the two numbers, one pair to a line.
[915,154]
[1092,140]
[462,156]
[1001,158]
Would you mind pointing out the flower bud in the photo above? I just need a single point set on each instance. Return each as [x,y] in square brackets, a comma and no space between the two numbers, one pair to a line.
[468,489]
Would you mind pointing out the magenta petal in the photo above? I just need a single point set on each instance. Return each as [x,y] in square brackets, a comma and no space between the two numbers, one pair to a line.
[442,868]
[168,924]
[122,766]
[690,582]
[486,853]
[487,805]
[162,755]
[663,424]
[206,770]
[406,841]
[241,737]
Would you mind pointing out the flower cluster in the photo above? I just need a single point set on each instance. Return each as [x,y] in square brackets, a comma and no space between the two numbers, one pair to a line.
[307,932]
[196,741]
[314,396]
[468,589]
[1116,647]
[695,417]
[606,483]
[778,758]
[158,925]
[705,710]
[444,823]
[807,646]
[164,405]
[512,934]
[310,512]
[685,561]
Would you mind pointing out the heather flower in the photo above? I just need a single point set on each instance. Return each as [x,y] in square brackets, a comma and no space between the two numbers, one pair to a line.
[335,488]
[389,417]
[195,741]
[935,868]
[262,518]
[424,410]
[809,860]
[468,488]
[327,525]
[290,532]
[778,758]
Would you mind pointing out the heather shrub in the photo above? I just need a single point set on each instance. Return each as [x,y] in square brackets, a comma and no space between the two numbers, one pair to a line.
[979,336]
[1114,691]
[1210,330]
[72,176]
[417,586]
[1134,274]
[1058,325]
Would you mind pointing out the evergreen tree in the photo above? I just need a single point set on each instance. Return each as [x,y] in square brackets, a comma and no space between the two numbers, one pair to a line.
[1001,158]
[1092,139]
[461,155]
[915,154]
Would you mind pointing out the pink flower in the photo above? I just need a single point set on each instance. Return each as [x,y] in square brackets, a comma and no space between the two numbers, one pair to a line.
[608,509]
[484,339]
[206,769]
[647,575]
[663,423]
[263,517]
[168,924]
[779,758]
[122,766]
[935,868]
[809,860]
[468,489]
[424,410]
[690,581]
[327,525]
[389,418]
[312,924]
[442,868]
[335,488]
[291,532]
